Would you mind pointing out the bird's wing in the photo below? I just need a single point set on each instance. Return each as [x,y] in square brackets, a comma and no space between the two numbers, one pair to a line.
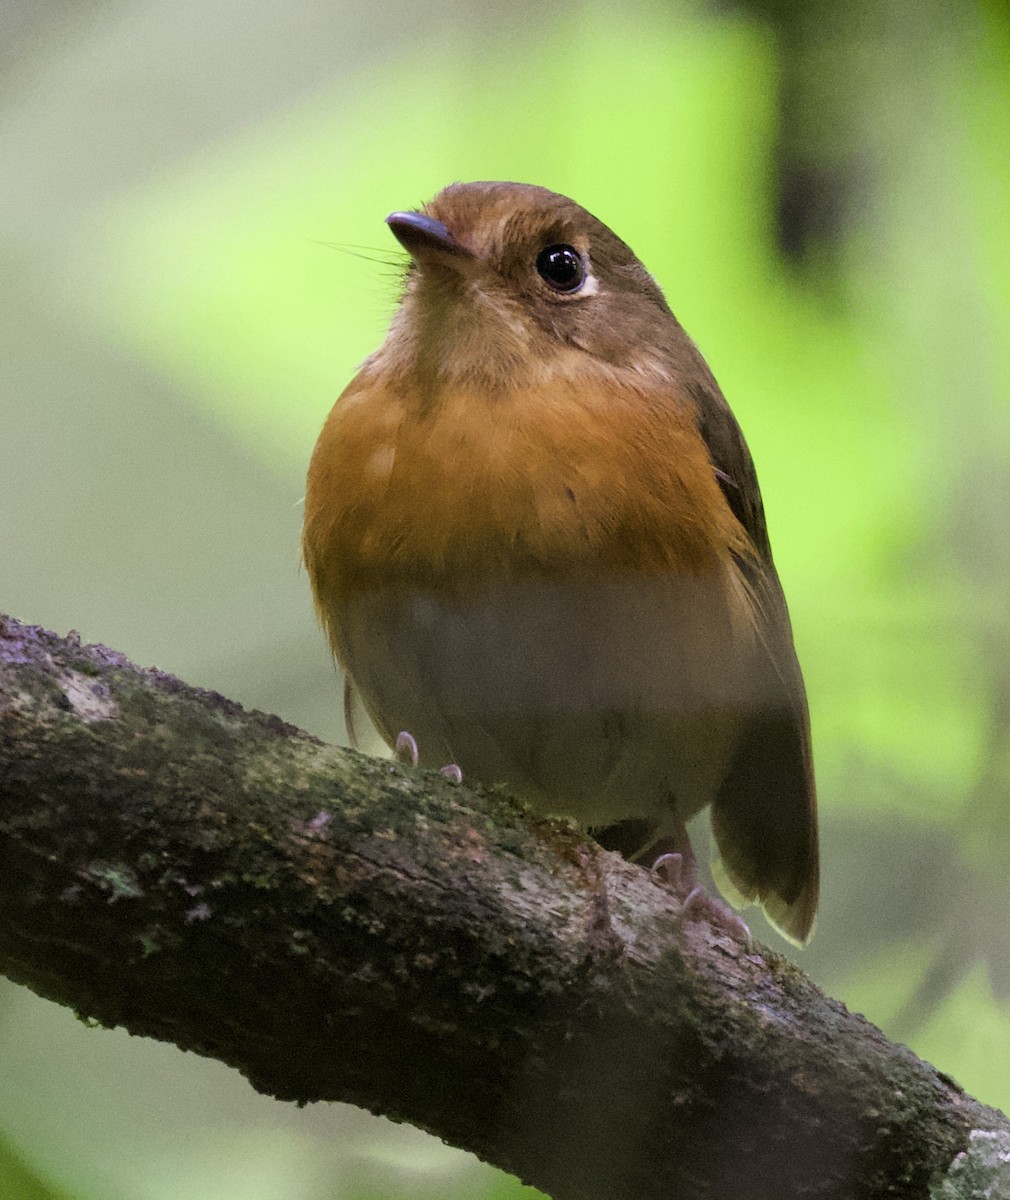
[764,816]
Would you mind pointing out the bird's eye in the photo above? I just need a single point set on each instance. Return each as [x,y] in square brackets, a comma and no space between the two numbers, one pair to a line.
[560,267]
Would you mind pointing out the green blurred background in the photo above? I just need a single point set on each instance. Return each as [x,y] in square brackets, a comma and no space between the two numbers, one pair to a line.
[822,190]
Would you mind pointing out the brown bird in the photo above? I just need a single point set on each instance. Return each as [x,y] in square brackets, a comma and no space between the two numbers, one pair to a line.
[536,541]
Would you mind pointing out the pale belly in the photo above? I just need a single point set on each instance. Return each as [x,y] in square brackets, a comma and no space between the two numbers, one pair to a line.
[603,700]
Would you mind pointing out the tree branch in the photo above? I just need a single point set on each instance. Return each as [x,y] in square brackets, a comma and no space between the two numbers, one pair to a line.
[340,928]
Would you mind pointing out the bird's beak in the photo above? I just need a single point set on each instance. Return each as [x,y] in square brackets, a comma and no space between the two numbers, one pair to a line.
[424,237]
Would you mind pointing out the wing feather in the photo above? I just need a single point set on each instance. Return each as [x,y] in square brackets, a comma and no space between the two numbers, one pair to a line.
[764,816]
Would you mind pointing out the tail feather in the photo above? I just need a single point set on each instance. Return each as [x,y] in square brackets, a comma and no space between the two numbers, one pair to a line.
[764,819]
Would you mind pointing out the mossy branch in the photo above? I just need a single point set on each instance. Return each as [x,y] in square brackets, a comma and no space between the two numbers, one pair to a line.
[340,928]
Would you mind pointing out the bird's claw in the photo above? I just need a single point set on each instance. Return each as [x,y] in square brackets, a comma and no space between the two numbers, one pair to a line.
[677,873]
[405,751]
[699,905]
[669,869]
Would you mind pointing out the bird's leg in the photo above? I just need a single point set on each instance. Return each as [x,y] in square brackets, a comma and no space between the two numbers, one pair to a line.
[405,751]
[677,868]
[672,858]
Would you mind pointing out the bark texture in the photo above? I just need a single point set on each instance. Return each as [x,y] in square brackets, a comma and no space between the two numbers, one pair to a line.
[341,928]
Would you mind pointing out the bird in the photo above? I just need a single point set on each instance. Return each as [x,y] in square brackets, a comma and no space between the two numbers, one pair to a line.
[537,546]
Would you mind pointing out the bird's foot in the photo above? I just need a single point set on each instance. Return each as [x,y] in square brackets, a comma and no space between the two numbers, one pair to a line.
[677,872]
[406,752]
[699,905]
